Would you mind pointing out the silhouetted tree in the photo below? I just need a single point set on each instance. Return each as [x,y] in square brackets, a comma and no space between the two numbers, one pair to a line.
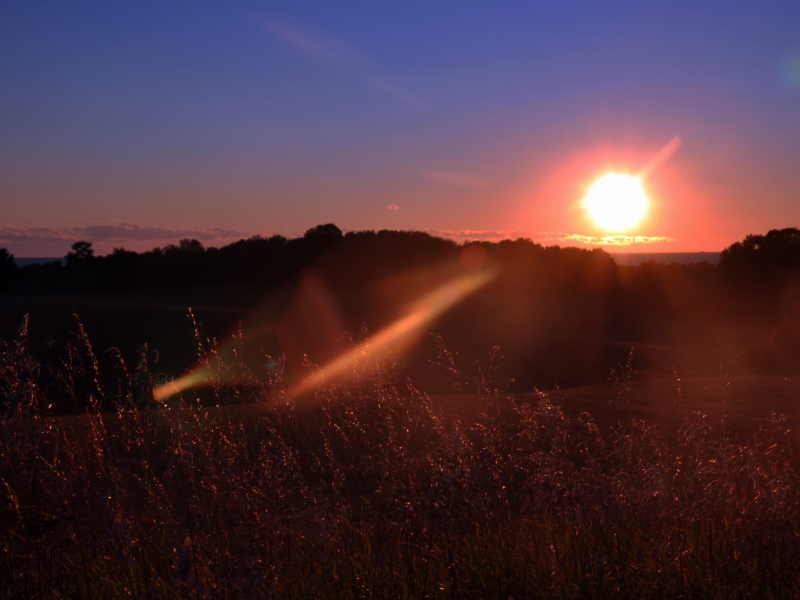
[8,268]
[757,270]
[81,254]
[329,231]
[764,258]
[188,245]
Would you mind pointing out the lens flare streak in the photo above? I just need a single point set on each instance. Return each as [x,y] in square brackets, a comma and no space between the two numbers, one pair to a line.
[188,381]
[402,331]
[396,336]
[660,158]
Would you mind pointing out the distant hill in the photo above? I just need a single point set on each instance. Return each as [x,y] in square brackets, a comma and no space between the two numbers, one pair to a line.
[682,258]
[633,259]
[37,260]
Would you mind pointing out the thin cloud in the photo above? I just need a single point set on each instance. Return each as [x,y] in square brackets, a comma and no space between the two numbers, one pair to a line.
[493,235]
[54,239]
[608,240]
[458,179]
[392,207]
[337,54]
[479,235]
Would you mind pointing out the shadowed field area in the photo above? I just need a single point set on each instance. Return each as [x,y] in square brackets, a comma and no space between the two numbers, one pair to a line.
[573,430]
[636,487]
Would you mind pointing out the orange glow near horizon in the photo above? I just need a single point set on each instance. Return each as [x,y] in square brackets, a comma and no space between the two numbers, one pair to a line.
[676,219]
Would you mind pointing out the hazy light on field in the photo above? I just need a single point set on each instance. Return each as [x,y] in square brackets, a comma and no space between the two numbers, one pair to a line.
[401,332]
[395,337]
[188,381]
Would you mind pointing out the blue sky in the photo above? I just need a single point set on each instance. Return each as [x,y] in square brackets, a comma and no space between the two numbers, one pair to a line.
[134,123]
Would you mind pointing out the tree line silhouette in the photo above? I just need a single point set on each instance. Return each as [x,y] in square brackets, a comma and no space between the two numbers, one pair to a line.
[568,299]
[755,277]
[352,260]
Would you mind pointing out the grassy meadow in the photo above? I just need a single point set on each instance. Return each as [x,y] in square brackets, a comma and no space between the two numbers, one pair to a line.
[644,485]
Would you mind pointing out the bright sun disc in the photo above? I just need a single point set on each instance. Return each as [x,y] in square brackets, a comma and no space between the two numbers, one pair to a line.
[616,202]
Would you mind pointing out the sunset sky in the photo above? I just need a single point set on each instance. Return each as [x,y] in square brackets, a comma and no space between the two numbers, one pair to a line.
[137,124]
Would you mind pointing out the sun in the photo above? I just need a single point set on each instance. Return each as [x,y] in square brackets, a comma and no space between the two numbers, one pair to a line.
[616,202]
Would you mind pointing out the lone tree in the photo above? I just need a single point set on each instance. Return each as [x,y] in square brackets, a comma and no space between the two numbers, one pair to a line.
[81,254]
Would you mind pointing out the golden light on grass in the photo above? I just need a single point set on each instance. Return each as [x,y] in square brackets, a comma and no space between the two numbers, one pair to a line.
[616,202]
[188,381]
[401,332]
[396,336]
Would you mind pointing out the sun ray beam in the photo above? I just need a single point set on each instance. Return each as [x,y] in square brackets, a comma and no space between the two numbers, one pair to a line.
[397,336]
[659,159]
[401,332]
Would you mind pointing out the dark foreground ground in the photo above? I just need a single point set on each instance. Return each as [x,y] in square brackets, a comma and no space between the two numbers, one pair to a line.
[643,487]
[546,341]
[522,453]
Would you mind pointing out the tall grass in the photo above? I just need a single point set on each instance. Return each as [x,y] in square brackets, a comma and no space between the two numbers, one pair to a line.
[372,490]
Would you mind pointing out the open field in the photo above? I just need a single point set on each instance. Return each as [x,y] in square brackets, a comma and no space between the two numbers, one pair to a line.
[375,490]
[554,469]
[546,341]
[736,405]
[733,405]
